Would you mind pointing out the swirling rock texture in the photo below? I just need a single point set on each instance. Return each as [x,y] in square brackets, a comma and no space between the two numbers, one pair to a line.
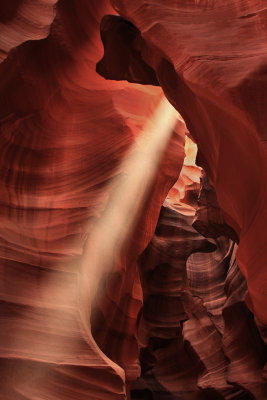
[247,356]
[209,219]
[219,87]
[70,328]
[198,339]
[64,132]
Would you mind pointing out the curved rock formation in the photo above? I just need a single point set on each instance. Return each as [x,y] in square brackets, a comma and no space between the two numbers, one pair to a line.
[198,339]
[242,343]
[219,87]
[23,20]
[209,219]
[64,132]
[81,315]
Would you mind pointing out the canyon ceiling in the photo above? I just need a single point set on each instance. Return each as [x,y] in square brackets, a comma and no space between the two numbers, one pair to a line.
[133,170]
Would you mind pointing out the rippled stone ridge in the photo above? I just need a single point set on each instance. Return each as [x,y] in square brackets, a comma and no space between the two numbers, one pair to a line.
[179,311]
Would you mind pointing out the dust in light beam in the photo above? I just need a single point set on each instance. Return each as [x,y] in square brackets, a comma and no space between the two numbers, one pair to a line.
[127,195]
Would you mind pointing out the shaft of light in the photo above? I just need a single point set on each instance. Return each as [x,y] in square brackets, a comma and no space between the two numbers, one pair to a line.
[127,196]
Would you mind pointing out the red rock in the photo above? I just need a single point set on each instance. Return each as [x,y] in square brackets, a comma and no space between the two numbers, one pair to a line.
[23,20]
[210,59]
[64,133]
[209,219]
[242,343]
[197,336]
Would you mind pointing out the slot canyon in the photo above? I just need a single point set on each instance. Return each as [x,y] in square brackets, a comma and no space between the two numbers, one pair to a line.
[133,200]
